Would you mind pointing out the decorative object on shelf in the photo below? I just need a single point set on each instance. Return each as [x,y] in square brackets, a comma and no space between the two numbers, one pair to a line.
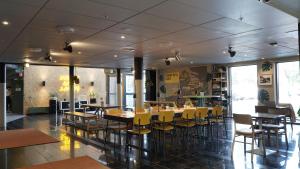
[266,66]
[163,89]
[263,96]
[92,94]
[208,77]
[265,80]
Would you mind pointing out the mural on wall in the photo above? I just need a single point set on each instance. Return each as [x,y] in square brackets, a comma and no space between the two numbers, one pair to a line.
[192,81]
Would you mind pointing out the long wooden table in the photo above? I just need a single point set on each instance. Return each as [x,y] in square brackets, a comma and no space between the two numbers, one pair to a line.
[24,137]
[84,162]
[99,109]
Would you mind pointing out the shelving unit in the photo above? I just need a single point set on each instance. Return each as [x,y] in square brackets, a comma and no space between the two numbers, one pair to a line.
[220,85]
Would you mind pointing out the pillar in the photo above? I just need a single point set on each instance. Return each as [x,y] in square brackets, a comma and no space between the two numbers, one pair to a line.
[119,88]
[71,87]
[150,85]
[138,82]
[2,96]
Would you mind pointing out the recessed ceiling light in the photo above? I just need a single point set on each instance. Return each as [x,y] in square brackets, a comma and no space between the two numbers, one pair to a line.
[5,23]
[27,65]
[54,61]
[79,52]
[115,56]
[192,62]
[224,52]
[123,37]
[262,58]
[27,60]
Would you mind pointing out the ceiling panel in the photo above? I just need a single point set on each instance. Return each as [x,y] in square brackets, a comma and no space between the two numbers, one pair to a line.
[92,9]
[157,23]
[138,5]
[183,13]
[229,26]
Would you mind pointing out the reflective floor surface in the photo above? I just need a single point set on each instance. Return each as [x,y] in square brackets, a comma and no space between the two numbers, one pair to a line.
[211,152]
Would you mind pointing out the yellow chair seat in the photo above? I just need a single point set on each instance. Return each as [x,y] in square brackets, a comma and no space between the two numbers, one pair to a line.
[141,131]
[164,128]
[186,124]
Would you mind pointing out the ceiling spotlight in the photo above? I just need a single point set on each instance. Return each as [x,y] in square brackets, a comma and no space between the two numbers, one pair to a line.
[115,56]
[48,57]
[123,37]
[5,23]
[231,52]
[265,1]
[26,65]
[168,62]
[273,44]
[178,56]
[68,47]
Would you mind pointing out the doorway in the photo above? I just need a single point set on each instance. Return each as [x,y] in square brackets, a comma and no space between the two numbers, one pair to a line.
[244,89]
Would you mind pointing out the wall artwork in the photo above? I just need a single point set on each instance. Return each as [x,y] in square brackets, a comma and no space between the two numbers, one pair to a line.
[265,79]
[172,77]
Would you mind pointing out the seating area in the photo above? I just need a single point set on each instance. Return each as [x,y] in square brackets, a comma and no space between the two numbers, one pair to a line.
[149,84]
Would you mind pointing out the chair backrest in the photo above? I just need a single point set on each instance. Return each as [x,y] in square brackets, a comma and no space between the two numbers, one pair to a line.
[242,119]
[261,109]
[201,112]
[166,116]
[114,111]
[217,111]
[142,119]
[188,114]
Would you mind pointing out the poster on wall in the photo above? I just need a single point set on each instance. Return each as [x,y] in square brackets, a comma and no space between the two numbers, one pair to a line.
[265,79]
[172,77]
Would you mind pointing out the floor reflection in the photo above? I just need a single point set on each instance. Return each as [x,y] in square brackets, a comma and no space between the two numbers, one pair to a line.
[205,152]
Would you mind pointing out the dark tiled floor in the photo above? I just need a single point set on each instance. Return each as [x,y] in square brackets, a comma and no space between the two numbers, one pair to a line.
[211,153]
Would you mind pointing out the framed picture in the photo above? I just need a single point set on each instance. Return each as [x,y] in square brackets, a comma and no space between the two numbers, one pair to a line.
[265,80]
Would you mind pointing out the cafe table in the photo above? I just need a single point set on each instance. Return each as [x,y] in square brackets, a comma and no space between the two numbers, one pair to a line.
[260,117]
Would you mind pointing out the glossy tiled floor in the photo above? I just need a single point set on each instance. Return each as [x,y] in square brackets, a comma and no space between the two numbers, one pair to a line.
[212,152]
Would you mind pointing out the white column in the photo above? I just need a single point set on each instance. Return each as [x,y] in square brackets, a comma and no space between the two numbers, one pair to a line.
[2,96]
[138,82]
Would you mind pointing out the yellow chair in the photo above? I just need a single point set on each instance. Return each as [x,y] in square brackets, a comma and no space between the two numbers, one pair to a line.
[187,121]
[141,123]
[201,115]
[217,117]
[165,123]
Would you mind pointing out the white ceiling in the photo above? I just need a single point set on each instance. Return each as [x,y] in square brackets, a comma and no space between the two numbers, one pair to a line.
[200,29]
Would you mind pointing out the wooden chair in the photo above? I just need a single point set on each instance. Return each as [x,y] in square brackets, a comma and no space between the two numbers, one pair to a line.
[248,131]
[114,127]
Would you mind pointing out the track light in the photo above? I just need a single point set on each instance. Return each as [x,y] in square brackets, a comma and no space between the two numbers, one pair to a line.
[231,52]
[178,56]
[273,44]
[48,57]
[68,47]
[168,62]
[265,1]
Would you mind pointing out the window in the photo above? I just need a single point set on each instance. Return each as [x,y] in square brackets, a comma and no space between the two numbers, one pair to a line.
[112,89]
[129,90]
[289,83]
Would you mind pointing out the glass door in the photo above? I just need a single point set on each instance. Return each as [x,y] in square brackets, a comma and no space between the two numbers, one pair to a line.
[243,89]
[289,83]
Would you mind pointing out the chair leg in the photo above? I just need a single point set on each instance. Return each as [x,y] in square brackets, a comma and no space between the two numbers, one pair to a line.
[232,147]
[245,144]
[286,140]
[276,132]
[291,123]
[252,148]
